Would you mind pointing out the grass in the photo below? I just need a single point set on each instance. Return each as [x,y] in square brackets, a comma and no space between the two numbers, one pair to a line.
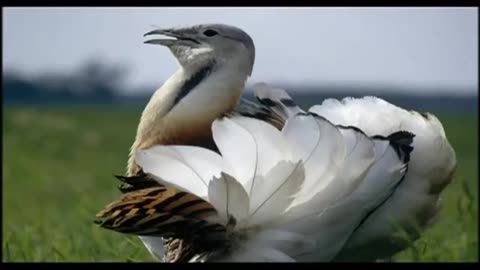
[58,167]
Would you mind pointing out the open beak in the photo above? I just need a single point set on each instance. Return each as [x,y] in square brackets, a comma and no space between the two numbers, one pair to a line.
[179,37]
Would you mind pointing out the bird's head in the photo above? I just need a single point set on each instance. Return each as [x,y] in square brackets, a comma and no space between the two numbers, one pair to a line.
[203,43]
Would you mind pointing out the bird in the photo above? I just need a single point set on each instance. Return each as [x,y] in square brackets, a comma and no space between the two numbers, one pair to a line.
[212,176]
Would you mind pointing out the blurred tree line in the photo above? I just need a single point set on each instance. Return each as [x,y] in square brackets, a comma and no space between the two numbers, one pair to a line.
[94,82]
[100,82]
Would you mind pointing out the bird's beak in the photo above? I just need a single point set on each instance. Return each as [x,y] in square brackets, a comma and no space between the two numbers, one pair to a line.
[180,37]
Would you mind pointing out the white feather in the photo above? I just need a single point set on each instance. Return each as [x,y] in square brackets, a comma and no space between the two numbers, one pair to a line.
[322,213]
[360,156]
[229,198]
[377,185]
[384,174]
[320,146]
[154,245]
[272,195]
[238,148]
[185,167]
[270,143]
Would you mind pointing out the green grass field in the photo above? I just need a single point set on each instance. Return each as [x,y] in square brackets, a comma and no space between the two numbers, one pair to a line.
[58,167]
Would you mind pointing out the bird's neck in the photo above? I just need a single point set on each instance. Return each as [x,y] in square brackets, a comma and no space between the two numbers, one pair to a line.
[183,109]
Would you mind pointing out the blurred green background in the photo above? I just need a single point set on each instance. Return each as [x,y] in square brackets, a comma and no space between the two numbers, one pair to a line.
[58,167]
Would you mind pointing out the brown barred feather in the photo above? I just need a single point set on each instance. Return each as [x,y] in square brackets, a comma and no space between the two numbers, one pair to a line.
[153,211]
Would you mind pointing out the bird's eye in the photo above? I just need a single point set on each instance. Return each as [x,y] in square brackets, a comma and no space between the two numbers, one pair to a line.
[210,33]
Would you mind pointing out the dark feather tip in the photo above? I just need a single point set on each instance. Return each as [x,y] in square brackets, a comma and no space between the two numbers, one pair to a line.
[120,177]
[288,102]
[267,102]
[401,141]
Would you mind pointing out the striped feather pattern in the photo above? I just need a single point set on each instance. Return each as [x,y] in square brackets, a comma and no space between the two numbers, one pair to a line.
[160,211]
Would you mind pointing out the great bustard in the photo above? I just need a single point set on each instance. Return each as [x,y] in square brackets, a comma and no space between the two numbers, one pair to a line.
[213,177]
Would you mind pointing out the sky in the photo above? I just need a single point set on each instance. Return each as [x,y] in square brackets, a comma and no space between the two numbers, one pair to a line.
[411,47]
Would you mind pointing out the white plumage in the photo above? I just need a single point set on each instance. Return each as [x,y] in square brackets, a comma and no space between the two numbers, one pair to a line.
[319,189]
